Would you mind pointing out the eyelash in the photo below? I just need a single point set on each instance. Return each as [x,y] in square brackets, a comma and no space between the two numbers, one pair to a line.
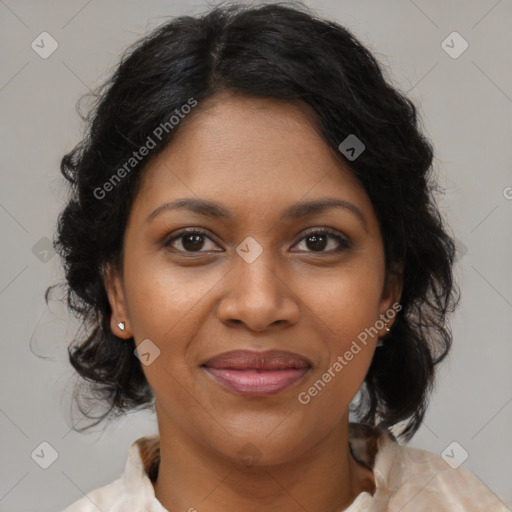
[343,242]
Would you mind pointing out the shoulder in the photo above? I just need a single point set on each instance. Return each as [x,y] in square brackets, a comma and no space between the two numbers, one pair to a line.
[412,480]
[134,489]
[420,480]
[103,498]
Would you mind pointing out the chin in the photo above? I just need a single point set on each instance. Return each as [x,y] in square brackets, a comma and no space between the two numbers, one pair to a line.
[265,447]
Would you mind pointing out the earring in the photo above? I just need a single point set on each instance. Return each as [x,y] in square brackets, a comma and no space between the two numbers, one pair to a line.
[121,326]
[380,343]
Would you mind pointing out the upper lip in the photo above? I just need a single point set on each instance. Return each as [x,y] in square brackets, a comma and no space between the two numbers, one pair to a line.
[247,359]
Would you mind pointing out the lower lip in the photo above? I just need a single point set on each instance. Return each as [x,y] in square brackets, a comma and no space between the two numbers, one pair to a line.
[257,383]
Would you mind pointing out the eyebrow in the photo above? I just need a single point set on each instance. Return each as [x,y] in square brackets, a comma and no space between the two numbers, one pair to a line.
[295,211]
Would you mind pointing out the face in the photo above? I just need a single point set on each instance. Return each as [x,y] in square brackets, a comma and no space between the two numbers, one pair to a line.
[258,272]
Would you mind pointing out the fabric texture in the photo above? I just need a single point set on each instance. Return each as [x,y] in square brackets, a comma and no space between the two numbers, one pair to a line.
[407,480]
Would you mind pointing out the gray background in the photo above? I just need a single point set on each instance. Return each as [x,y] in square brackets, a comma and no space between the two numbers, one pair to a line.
[465,104]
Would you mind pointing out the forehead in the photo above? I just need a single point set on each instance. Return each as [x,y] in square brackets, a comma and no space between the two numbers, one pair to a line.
[245,151]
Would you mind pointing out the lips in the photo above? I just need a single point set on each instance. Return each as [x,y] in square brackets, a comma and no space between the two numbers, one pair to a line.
[249,360]
[257,373]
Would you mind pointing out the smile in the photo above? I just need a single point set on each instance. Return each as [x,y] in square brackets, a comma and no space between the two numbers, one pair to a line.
[257,373]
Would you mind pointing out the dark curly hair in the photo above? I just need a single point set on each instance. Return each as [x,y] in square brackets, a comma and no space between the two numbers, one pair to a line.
[282,51]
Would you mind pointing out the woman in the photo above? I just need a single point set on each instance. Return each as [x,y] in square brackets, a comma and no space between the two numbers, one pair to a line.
[252,238]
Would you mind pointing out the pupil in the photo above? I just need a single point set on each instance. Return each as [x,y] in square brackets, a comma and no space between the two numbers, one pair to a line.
[192,242]
[318,242]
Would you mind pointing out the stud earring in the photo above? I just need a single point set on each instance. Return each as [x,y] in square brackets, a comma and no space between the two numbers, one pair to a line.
[380,343]
[121,326]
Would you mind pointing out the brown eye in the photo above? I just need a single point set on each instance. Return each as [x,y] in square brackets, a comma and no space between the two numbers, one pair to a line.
[189,241]
[318,241]
[192,242]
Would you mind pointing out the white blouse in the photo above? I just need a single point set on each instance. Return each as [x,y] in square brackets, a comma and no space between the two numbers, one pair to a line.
[407,480]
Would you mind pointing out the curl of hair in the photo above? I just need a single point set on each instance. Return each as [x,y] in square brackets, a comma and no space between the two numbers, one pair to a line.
[278,51]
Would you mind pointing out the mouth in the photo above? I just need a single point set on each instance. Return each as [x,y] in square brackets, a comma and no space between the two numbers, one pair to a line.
[257,373]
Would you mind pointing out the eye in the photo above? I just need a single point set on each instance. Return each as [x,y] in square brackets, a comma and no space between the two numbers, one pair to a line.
[190,240]
[318,239]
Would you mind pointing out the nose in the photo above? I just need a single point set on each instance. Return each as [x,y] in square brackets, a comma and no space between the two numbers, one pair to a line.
[257,296]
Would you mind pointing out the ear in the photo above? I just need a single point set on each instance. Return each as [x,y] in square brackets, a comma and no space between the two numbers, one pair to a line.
[391,293]
[113,283]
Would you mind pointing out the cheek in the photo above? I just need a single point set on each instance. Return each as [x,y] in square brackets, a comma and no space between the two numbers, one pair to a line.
[346,304]
[166,306]
[348,346]
[346,308]
[164,301]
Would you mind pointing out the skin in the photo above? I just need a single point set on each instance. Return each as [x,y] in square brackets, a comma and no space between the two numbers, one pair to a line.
[256,157]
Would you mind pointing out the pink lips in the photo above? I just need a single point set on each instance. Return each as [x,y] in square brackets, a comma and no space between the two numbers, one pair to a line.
[257,373]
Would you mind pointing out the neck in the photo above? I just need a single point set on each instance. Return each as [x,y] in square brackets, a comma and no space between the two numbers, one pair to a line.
[193,476]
